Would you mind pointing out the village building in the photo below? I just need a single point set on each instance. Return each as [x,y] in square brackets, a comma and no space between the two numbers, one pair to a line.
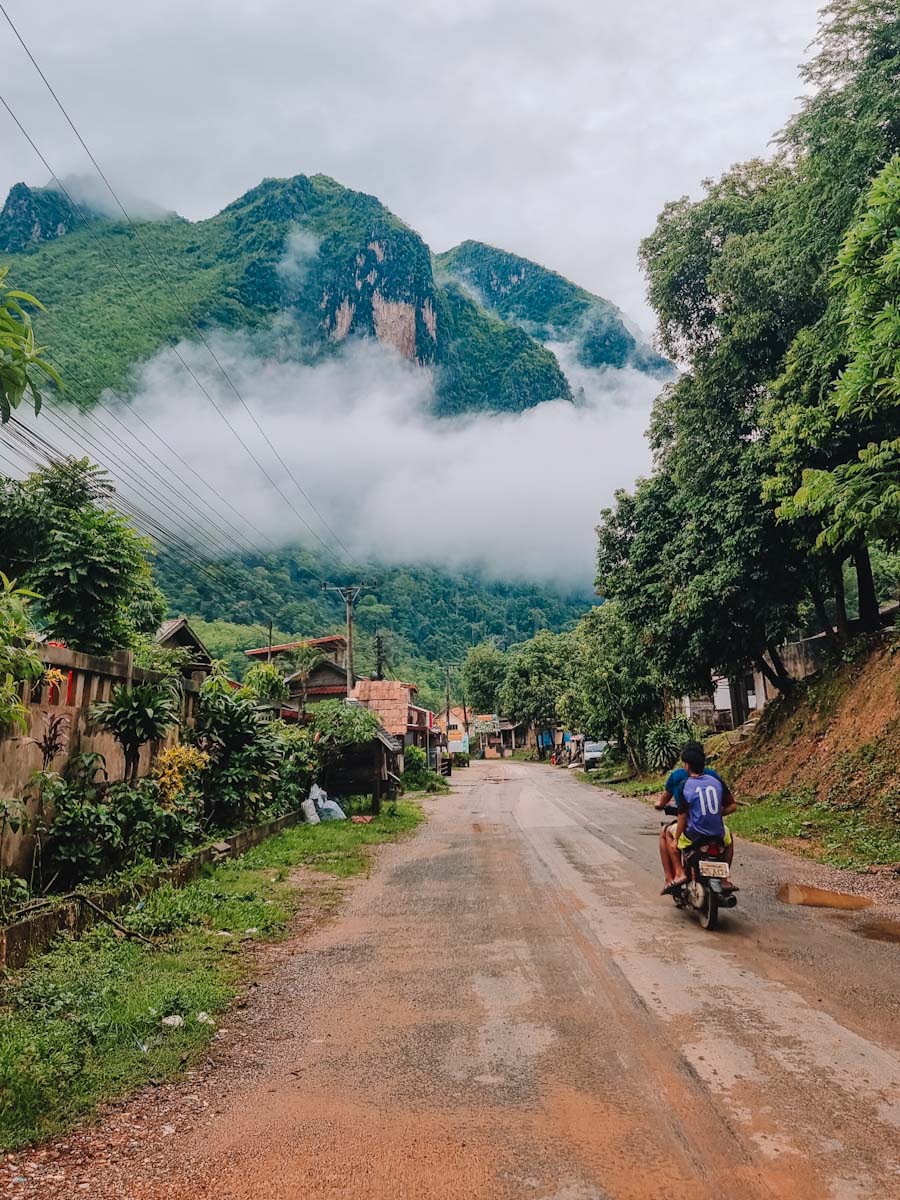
[326,681]
[178,634]
[499,736]
[455,724]
[392,701]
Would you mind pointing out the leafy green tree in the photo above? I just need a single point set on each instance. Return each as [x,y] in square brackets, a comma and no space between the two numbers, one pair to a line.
[483,673]
[859,498]
[21,360]
[85,560]
[265,683]
[614,692]
[536,679]
[20,661]
[303,661]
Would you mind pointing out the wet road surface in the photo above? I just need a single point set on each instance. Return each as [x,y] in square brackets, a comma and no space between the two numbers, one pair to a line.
[507,1008]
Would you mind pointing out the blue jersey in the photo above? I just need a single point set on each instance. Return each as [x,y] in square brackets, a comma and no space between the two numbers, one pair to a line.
[702,797]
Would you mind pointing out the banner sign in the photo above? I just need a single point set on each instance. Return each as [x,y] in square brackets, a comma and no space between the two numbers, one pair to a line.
[489,724]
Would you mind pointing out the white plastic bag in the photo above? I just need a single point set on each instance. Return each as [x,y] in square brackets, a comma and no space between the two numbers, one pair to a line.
[308,808]
[330,810]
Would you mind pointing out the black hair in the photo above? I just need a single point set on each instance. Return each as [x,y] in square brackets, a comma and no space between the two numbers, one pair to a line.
[694,756]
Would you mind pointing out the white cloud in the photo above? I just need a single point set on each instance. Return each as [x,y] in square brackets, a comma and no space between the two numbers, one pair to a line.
[516,495]
[554,128]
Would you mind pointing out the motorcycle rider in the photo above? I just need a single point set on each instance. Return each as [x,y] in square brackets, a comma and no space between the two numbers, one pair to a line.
[702,801]
[669,854]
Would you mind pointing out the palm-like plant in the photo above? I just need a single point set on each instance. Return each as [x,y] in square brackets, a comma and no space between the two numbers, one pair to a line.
[135,716]
[303,662]
[21,360]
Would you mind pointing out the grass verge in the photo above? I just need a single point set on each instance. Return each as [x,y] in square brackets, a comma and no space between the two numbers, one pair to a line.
[839,836]
[95,1018]
[641,785]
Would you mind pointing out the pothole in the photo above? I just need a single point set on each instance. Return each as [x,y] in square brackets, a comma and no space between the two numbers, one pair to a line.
[881,931]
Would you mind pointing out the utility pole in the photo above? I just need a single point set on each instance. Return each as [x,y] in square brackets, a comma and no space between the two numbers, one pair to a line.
[379,656]
[349,595]
[269,651]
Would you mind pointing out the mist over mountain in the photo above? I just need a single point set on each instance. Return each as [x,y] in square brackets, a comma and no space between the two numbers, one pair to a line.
[469,412]
[336,262]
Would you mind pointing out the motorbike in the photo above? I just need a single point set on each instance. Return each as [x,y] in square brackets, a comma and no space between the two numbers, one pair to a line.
[705,867]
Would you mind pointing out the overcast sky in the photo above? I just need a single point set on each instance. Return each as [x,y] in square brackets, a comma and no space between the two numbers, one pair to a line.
[555,128]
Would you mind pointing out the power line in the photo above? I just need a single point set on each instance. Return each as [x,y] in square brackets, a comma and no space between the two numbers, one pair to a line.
[111,411]
[148,250]
[172,345]
[38,449]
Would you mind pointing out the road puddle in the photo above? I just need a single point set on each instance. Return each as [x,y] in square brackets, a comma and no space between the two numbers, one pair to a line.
[812,897]
[881,931]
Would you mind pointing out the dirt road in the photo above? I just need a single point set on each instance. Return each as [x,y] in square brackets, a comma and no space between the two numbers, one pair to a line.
[508,1009]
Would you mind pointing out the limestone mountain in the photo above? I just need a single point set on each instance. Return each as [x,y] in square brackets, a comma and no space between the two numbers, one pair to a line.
[333,260]
[550,307]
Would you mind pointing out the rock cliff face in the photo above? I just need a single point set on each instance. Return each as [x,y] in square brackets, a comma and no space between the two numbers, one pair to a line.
[551,307]
[335,261]
[31,216]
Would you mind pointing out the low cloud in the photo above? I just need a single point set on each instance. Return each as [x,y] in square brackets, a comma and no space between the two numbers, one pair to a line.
[300,252]
[515,495]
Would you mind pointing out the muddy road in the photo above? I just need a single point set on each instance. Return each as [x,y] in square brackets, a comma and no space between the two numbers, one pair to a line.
[507,1008]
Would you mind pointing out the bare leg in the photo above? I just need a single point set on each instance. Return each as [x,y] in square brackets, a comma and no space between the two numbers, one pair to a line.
[664,855]
[675,865]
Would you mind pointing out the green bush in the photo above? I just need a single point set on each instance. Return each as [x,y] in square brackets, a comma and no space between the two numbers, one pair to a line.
[98,827]
[664,742]
[416,775]
[137,715]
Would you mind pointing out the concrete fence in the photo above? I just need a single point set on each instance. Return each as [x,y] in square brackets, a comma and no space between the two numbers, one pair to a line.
[86,678]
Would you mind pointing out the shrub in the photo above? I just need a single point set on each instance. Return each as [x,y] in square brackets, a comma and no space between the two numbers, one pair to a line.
[245,753]
[298,767]
[664,741]
[84,838]
[416,775]
[152,827]
[178,770]
[136,715]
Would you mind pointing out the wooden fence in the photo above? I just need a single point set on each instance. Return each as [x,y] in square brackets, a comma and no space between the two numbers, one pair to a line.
[86,679]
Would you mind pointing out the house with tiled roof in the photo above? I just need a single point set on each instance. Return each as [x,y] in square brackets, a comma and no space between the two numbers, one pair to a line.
[393,702]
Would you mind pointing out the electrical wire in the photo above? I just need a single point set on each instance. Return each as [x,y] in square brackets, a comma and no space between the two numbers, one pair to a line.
[172,345]
[167,282]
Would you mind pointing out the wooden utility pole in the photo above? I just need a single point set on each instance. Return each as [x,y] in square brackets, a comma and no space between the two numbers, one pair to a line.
[349,595]
[379,656]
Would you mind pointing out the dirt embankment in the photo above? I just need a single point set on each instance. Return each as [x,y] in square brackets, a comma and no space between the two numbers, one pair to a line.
[837,740]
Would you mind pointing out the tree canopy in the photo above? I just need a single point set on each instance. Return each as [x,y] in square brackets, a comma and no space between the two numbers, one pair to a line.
[88,566]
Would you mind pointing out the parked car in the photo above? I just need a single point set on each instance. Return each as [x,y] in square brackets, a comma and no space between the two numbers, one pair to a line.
[593,752]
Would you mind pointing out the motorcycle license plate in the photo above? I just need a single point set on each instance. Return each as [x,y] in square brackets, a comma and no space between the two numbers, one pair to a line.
[714,870]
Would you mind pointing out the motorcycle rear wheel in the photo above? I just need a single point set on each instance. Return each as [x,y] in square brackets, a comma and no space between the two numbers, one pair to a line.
[709,913]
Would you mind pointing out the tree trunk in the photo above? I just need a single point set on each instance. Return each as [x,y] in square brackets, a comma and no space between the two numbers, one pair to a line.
[869,616]
[781,683]
[821,612]
[785,683]
[840,602]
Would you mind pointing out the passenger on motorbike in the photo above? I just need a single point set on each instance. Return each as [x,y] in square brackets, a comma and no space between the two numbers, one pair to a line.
[702,801]
[669,854]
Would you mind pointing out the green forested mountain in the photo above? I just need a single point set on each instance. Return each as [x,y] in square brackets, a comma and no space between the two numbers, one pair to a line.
[335,260]
[429,617]
[550,307]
